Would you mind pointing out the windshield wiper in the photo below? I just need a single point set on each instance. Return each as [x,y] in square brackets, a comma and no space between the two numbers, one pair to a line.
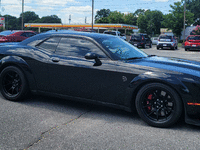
[134,58]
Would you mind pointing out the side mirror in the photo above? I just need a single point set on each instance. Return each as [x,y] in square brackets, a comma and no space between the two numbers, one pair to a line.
[95,57]
[91,56]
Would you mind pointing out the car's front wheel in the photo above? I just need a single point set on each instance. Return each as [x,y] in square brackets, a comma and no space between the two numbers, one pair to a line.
[158,105]
[13,83]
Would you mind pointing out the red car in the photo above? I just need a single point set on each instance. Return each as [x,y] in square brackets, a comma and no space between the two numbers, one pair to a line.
[15,35]
[192,42]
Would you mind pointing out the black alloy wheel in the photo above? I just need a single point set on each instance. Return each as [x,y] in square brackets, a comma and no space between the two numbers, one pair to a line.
[13,83]
[158,105]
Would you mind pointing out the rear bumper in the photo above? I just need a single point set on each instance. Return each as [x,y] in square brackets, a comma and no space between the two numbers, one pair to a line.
[197,47]
[164,45]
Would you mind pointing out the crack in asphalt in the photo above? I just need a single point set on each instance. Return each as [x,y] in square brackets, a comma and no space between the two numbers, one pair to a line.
[43,133]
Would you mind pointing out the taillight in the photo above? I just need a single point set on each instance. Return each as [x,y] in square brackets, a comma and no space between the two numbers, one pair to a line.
[158,39]
[172,40]
[130,37]
[142,38]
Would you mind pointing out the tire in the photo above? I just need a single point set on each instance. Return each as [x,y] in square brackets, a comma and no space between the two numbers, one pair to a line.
[145,46]
[150,46]
[187,49]
[173,48]
[13,84]
[157,48]
[176,47]
[158,105]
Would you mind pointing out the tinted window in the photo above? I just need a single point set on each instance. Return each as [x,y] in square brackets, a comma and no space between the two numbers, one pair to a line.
[29,34]
[165,37]
[135,38]
[112,33]
[194,38]
[50,44]
[77,47]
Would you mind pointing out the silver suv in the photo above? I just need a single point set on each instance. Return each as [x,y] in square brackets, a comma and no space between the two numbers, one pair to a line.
[167,41]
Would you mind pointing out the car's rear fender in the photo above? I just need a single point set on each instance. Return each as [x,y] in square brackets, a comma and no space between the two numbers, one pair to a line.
[21,64]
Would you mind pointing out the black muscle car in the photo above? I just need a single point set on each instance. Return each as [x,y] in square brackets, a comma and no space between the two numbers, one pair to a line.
[102,69]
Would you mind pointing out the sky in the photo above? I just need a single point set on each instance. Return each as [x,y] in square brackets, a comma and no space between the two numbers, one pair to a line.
[80,9]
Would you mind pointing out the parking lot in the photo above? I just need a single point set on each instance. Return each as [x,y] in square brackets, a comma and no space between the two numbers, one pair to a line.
[43,123]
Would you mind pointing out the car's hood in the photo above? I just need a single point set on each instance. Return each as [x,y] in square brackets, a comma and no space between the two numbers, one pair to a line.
[170,63]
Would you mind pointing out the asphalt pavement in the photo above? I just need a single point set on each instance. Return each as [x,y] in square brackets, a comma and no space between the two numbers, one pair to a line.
[44,123]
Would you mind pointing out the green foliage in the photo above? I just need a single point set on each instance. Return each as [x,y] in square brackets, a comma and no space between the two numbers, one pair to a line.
[193,6]
[174,20]
[130,18]
[101,15]
[50,19]
[150,22]
[116,17]
[13,23]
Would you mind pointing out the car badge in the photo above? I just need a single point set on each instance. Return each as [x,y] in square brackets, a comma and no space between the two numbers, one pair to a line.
[124,79]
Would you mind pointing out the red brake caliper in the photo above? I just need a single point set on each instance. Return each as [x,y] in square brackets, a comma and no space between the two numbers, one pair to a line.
[149,98]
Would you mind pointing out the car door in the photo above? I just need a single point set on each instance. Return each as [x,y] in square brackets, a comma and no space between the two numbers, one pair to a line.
[42,54]
[73,75]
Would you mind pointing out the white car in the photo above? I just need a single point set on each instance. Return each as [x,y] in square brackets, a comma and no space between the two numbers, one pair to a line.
[154,40]
[115,33]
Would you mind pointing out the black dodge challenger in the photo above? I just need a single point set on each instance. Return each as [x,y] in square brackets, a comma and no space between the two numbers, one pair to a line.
[102,69]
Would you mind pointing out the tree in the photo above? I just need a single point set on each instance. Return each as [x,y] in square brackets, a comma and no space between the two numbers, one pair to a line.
[150,22]
[116,17]
[11,23]
[174,20]
[138,12]
[130,19]
[50,19]
[103,13]
[193,6]
[28,17]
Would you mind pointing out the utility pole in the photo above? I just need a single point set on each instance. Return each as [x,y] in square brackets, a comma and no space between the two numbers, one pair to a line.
[184,23]
[92,12]
[69,19]
[22,14]
[85,20]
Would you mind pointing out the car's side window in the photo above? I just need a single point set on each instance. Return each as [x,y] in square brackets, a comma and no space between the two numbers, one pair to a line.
[78,47]
[50,44]
[23,34]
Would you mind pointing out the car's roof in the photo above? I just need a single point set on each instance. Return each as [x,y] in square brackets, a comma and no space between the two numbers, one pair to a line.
[95,36]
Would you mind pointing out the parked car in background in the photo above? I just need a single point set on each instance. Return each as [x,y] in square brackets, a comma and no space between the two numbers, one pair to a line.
[154,40]
[140,40]
[15,35]
[192,43]
[167,41]
[115,33]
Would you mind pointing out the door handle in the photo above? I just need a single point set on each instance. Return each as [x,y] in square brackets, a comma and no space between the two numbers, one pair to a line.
[55,59]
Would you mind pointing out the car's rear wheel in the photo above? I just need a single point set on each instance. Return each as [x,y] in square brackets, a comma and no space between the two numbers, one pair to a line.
[13,83]
[157,48]
[186,49]
[158,105]
[144,46]
[150,46]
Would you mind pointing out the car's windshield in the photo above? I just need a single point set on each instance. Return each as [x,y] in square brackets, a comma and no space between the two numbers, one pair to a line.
[121,49]
[4,33]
